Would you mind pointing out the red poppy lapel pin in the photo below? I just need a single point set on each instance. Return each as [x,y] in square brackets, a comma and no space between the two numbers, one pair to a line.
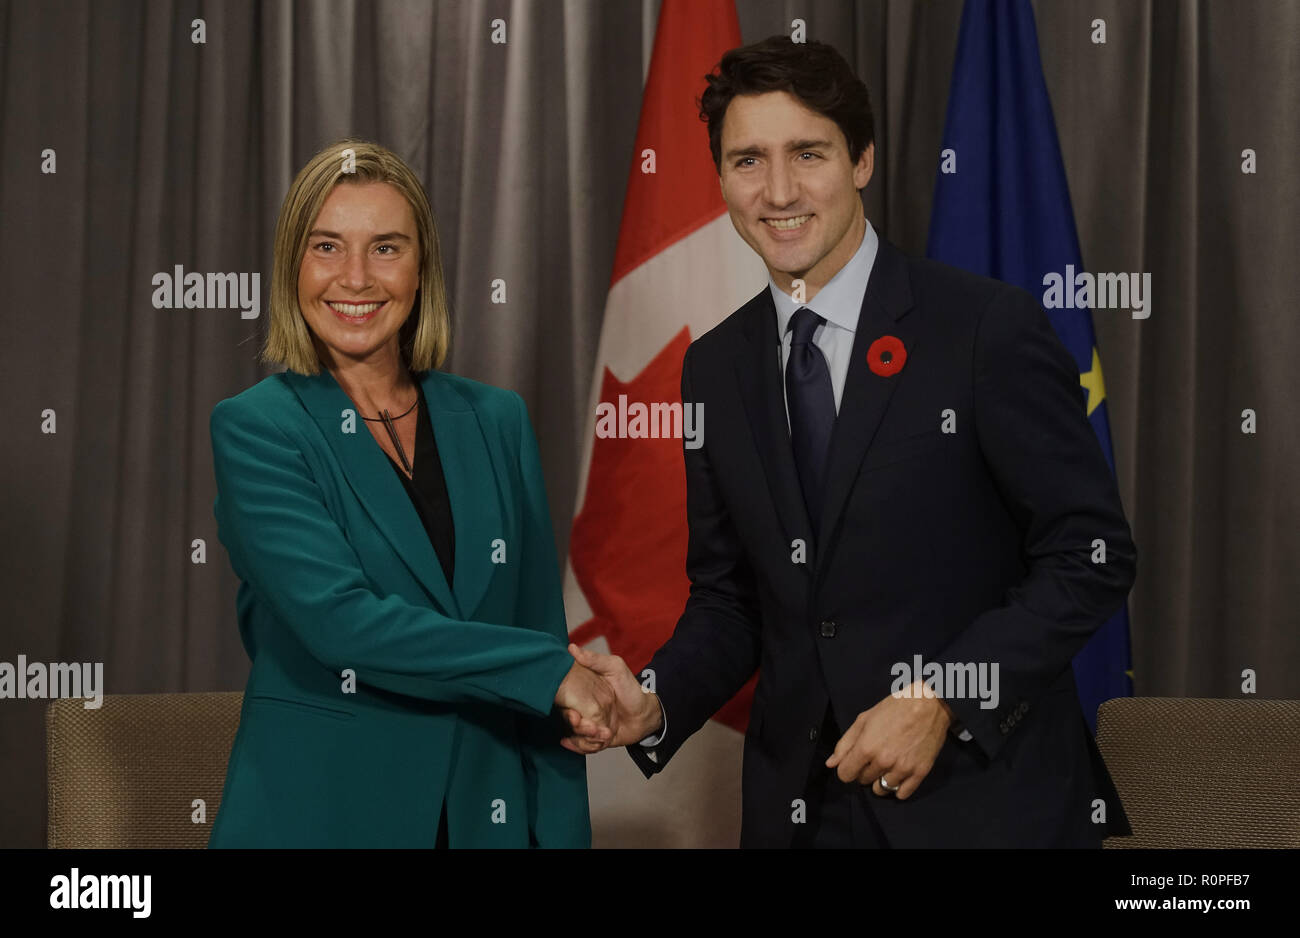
[886,356]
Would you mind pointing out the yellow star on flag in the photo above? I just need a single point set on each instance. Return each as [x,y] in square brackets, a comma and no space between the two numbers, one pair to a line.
[1092,381]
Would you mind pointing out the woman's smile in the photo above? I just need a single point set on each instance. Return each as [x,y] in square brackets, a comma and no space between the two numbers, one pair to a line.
[355,312]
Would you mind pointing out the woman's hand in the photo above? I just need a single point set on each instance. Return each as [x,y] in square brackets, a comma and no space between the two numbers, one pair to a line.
[637,712]
[589,704]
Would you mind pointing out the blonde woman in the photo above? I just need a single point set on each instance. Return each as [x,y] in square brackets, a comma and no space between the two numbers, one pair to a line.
[399,596]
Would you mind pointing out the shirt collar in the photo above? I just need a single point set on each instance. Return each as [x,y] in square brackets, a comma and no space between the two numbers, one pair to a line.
[840,301]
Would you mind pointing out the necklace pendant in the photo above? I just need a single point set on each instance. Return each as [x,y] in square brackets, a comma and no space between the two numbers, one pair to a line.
[397,443]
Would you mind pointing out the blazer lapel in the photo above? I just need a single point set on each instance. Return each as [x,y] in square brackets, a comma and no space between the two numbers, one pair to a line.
[473,488]
[866,394]
[758,373]
[366,468]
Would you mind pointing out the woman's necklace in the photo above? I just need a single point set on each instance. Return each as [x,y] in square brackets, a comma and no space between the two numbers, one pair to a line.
[387,420]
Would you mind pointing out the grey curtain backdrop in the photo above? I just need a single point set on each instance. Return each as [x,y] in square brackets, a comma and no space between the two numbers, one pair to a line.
[171,152]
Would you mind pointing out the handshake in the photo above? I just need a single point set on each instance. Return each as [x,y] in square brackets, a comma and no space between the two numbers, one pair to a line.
[604,704]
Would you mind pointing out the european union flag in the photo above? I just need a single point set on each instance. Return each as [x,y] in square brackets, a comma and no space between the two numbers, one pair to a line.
[1002,209]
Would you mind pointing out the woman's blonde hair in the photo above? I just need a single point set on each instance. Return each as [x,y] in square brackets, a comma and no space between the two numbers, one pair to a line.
[426,334]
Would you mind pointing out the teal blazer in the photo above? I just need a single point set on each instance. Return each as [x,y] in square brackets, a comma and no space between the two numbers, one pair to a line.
[378,690]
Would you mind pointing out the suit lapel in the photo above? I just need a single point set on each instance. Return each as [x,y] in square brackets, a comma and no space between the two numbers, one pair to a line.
[867,394]
[473,487]
[466,466]
[758,373]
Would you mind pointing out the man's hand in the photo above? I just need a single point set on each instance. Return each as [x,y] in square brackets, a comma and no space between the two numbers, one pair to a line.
[899,738]
[637,712]
[588,703]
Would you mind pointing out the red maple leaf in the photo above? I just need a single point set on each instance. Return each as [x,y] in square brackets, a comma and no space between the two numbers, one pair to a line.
[628,544]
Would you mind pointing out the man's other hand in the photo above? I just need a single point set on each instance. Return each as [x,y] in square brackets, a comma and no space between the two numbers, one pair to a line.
[899,738]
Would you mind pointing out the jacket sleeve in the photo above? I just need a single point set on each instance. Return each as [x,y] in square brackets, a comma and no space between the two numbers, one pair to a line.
[283,541]
[717,644]
[1051,473]
[558,813]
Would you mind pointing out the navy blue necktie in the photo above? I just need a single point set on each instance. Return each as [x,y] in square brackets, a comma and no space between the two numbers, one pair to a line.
[811,400]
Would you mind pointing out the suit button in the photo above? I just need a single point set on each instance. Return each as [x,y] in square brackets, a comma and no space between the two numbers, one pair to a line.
[812,734]
[828,629]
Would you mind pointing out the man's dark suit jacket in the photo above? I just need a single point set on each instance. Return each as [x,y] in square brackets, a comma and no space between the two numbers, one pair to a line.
[972,546]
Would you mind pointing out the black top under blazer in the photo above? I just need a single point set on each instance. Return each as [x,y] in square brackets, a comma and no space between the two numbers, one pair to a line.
[428,490]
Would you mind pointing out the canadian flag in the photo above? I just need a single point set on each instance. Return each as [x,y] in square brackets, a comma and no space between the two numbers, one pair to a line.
[679,269]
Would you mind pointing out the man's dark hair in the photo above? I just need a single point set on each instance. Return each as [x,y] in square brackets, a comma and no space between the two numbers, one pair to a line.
[812,71]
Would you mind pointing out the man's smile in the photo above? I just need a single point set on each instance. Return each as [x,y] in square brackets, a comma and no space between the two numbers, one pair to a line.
[787,224]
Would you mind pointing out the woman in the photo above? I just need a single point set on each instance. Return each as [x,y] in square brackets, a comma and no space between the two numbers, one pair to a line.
[399,594]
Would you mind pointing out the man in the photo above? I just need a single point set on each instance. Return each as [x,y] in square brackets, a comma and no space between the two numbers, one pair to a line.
[900,515]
